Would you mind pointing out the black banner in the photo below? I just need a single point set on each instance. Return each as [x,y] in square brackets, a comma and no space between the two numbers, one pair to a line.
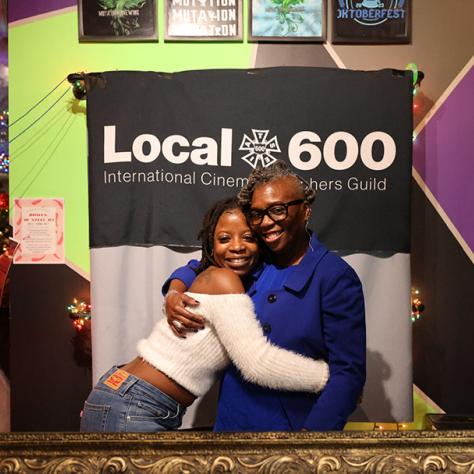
[163,147]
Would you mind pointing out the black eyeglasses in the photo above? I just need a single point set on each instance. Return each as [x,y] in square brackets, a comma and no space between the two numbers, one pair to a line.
[276,212]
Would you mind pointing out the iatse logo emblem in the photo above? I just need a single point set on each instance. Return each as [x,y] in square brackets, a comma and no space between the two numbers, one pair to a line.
[260,148]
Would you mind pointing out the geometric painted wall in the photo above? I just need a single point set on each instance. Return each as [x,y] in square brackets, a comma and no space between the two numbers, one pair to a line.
[443,247]
[50,161]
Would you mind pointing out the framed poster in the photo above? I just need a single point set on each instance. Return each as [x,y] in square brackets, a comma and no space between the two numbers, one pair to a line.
[205,20]
[38,227]
[287,20]
[117,20]
[371,21]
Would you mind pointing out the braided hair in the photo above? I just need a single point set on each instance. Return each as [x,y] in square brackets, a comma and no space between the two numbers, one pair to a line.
[206,234]
[261,175]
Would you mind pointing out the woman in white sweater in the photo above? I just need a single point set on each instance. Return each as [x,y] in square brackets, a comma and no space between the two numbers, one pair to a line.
[151,392]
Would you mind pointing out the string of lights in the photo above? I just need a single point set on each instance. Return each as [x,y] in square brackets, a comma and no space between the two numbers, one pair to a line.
[417,306]
[4,149]
[79,312]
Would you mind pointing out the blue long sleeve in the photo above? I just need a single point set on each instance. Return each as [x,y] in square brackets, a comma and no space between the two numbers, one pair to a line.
[343,320]
[186,274]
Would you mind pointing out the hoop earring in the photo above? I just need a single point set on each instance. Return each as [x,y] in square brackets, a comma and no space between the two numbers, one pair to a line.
[309,234]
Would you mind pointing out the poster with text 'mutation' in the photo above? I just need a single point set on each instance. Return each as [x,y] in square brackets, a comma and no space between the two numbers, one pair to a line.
[207,20]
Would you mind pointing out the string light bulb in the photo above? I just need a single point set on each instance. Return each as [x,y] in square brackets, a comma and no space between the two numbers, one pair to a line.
[417,306]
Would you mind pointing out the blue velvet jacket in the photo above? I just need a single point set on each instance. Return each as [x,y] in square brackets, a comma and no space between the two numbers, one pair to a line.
[318,313]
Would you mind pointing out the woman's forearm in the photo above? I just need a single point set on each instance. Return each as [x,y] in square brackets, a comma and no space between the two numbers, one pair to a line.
[258,359]
[176,286]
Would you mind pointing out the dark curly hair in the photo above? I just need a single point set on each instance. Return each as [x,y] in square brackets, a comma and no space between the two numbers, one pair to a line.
[206,234]
[261,175]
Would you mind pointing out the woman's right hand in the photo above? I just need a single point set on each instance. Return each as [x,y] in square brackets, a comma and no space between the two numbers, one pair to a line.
[179,318]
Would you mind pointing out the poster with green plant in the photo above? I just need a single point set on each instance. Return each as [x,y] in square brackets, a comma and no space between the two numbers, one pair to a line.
[287,20]
[117,20]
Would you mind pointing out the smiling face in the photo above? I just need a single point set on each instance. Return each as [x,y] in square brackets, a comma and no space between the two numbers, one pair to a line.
[235,246]
[287,239]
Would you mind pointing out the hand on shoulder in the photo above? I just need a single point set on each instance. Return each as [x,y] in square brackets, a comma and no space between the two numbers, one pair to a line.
[217,281]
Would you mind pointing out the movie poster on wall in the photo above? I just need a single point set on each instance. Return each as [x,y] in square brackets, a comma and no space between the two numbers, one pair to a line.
[287,20]
[117,20]
[371,21]
[206,20]
[38,227]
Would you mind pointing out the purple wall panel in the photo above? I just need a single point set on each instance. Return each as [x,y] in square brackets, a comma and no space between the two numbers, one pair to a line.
[21,9]
[442,155]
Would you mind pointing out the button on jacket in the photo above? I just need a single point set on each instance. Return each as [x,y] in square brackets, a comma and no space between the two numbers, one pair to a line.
[319,312]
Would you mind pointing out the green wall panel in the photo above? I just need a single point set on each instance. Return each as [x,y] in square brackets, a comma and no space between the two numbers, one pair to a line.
[50,159]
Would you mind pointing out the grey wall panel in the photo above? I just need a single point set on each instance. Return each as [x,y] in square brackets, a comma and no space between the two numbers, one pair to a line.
[126,283]
[272,55]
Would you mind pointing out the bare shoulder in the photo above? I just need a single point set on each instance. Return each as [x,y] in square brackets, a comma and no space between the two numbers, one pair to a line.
[217,281]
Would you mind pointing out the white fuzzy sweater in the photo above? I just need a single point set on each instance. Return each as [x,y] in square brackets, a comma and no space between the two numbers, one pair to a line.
[233,334]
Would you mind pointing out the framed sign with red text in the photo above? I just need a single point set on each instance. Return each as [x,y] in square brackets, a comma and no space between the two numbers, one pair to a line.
[38,227]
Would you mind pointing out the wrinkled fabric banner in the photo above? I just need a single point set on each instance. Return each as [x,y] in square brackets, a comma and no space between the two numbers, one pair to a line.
[164,147]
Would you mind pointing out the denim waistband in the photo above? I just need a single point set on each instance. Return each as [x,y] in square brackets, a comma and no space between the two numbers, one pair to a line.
[120,382]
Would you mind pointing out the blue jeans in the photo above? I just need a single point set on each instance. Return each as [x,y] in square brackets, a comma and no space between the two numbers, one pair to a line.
[121,402]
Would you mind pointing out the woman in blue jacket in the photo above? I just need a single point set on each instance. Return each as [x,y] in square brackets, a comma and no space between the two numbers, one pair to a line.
[307,299]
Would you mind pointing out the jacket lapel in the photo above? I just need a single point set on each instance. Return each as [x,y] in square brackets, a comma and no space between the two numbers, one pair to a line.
[298,279]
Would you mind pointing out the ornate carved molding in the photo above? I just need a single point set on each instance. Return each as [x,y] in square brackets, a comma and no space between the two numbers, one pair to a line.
[275,453]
